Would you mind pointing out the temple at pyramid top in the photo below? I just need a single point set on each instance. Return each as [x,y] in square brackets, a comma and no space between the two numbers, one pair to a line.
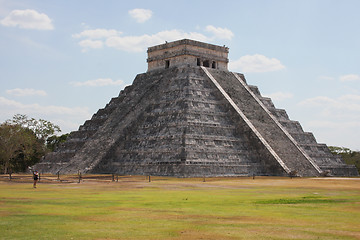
[187,52]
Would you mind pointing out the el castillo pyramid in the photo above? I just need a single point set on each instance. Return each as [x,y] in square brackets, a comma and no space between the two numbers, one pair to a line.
[188,116]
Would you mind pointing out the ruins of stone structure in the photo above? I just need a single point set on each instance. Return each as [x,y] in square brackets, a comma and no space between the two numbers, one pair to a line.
[189,116]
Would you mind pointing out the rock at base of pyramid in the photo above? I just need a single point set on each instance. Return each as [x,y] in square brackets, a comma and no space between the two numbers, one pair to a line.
[192,118]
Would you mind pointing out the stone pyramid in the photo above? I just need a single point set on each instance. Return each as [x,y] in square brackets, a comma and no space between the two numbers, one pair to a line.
[188,116]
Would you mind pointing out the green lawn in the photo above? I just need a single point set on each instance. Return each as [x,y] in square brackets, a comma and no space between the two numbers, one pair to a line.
[170,208]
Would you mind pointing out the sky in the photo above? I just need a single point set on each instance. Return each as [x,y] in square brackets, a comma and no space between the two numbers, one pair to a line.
[63,60]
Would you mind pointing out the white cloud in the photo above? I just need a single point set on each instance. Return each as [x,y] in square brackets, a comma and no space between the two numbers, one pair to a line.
[67,118]
[256,63]
[68,124]
[327,78]
[97,33]
[342,109]
[140,15]
[279,96]
[17,107]
[88,43]
[336,133]
[220,33]
[22,92]
[85,25]
[101,82]
[336,120]
[347,104]
[334,125]
[111,38]
[140,43]
[318,101]
[349,78]
[28,19]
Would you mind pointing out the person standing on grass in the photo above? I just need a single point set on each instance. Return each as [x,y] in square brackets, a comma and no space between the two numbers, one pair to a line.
[36,177]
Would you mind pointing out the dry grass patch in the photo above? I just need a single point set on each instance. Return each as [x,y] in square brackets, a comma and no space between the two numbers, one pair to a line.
[172,208]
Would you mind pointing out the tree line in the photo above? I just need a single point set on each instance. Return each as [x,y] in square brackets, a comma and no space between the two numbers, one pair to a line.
[349,156]
[24,141]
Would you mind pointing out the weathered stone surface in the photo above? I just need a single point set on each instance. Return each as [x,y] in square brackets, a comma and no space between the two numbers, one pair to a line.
[187,52]
[187,120]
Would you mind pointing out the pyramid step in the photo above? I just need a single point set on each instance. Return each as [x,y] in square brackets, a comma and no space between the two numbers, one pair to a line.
[280,114]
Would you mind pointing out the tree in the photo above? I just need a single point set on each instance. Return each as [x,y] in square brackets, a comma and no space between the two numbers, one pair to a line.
[10,137]
[22,142]
[54,141]
[349,156]
[339,150]
[41,128]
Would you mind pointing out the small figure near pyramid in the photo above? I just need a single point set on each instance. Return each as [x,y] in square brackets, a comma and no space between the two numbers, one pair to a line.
[188,116]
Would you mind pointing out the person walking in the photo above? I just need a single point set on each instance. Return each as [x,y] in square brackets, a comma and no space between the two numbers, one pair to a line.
[36,177]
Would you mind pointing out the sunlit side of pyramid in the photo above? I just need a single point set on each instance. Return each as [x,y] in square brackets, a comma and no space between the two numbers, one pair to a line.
[189,116]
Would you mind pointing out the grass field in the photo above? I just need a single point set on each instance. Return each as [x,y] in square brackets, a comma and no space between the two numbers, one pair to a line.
[171,208]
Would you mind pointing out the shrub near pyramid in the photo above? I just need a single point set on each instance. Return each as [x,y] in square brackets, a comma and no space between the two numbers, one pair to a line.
[188,116]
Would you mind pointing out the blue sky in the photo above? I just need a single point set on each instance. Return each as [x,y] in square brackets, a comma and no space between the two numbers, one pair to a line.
[63,60]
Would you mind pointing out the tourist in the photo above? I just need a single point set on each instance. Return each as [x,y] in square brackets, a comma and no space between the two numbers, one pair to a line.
[36,177]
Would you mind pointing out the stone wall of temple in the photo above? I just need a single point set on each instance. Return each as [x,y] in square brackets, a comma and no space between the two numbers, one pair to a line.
[187,53]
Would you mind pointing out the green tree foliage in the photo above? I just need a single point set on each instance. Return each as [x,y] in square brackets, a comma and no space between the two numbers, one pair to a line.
[54,141]
[339,150]
[349,156]
[22,142]
[41,128]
